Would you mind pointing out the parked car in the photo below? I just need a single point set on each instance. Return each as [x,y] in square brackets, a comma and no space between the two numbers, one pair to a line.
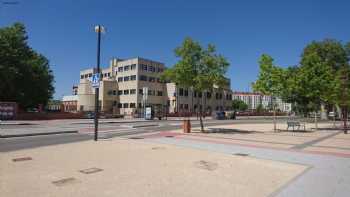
[220,115]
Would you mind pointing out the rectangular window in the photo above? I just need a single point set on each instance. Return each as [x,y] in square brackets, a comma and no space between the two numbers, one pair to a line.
[120,105]
[151,79]
[108,74]
[159,93]
[200,94]
[86,76]
[120,92]
[133,66]
[208,95]
[114,92]
[126,105]
[81,76]
[133,77]
[120,79]
[126,92]
[126,78]
[186,92]
[143,78]
[120,69]
[132,105]
[181,106]
[133,91]
[195,94]
[150,68]
[181,91]
[90,74]
[141,91]
[186,106]
[140,105]
[126,68]
[144,67]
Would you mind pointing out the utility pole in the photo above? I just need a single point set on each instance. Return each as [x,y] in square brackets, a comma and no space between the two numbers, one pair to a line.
[98,29]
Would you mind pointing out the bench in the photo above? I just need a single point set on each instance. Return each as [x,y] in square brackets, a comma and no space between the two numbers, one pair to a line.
[294,124]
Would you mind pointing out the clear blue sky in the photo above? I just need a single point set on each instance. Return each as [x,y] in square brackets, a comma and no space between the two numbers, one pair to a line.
[62,30]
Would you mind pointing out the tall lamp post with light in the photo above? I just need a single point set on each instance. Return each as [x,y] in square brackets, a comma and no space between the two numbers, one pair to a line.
[98,29]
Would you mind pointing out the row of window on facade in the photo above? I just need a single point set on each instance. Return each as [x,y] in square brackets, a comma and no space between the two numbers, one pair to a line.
[133,91]
[143,67]
[103,75]
[126,105]
[184,92]
[186,107]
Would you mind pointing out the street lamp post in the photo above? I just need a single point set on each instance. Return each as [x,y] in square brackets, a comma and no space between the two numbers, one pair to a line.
[98,29]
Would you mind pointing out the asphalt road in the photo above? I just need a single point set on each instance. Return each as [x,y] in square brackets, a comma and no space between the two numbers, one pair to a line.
[17,143]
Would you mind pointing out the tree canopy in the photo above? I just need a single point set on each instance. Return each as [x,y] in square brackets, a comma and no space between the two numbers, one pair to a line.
[25,75]
[239,105]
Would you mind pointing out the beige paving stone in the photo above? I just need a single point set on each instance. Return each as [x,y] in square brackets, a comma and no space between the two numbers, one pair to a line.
[136,168]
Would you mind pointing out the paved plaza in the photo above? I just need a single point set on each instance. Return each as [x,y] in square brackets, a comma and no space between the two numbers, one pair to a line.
[226,160]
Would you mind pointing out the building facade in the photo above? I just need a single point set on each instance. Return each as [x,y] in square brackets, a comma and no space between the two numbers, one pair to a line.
[122,87]
[253,100]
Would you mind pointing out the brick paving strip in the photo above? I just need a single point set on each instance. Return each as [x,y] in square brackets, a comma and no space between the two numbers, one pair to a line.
[315,141]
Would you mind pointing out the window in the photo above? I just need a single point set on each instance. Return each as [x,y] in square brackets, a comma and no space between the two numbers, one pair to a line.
[120,92]
[120,69]
[200,94]
[120,79]
[151,79]
[126,68]
[120,105]
[126,105]
[114,103]
[143,67]
[126,92]
[140,105]
[150,68]
[133,77]
[217,96]
[208,95]
[140,91]
[110,92]
[133,91]
[114,92]
[181,106]
[143,78]
[133,66]
[90,74]
[81,76]
[108,74]
[186,92]
[186,106]
[181,92]
[194,94]
[159,93]
[150,92]
[132,105]
[127,78]
[86,76]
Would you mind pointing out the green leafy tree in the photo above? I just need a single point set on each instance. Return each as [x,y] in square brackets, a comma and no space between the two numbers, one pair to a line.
[239,105]
[198,68]
[270,80]
[260,108]
[25,75]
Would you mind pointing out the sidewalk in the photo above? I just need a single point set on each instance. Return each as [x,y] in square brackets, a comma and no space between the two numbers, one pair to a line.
[134,168]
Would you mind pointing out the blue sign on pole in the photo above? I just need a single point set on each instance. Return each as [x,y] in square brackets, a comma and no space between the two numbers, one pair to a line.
[95,80]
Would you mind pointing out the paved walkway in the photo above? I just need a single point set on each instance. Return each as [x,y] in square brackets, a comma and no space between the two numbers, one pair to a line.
[329,166]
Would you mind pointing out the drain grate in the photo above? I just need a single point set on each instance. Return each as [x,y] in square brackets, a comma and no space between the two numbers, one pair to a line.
[206,165]
[90,170]
[241,154]
[66,181]
[22,159]
[136,138]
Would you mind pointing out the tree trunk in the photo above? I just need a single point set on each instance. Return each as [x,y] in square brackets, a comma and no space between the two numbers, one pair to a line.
[274,120]
[345,119]
[201,120]
[316,125]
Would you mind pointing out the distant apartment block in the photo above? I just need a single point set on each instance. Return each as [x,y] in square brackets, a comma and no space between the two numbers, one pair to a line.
[253,100]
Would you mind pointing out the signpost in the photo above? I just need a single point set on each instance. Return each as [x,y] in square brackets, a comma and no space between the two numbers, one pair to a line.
[95,80]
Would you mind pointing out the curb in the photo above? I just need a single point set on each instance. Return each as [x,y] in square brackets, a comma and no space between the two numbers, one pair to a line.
[37,134]
[147,125]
